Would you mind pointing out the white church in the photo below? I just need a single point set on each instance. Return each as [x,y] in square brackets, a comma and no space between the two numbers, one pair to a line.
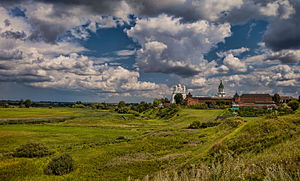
[178,89]
[181,89]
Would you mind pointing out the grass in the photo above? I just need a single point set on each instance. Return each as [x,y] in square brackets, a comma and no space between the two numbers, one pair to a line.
[110,146]
[41,112]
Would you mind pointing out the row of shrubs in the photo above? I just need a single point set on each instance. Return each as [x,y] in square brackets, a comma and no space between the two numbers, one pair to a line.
[148,108]
[59,165]
[199,125]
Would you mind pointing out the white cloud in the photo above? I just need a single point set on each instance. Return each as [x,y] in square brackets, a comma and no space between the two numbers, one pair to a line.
[234,64]
[234,52]
[198,81]
[170,46]
[125,52]
[60,65]
[271,9]
[213,9]
[49,23]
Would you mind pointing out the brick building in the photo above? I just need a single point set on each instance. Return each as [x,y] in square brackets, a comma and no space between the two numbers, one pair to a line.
[253,101]
[202,100]
[220,96]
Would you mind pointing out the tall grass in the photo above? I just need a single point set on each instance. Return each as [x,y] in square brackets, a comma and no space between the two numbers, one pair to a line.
[230,169]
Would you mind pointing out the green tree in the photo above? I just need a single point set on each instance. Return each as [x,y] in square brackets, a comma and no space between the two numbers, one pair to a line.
[142,106]
[156,102]
[178,98]
[166,100]
[121,104]
[21,103]
[294,104]
[276,98]
[27,103]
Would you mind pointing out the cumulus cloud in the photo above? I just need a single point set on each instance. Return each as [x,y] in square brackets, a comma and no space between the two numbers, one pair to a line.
[234,63]
[174,36]
[234,52]
[284,33]
[59,65]
[171,46]
[273,79]
[270,56]
[52,20]
[285,56]
[48,16]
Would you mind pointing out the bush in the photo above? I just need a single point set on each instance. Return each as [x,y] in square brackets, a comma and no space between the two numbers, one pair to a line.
[198,106]
[78,106]
[198,124]
[294,105]
[60,165]
[122,110]
[31,150]
[233,122]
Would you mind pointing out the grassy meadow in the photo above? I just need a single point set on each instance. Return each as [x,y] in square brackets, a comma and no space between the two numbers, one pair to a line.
[106,145]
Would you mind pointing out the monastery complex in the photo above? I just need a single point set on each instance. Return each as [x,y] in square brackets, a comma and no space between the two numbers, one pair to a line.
[254,101]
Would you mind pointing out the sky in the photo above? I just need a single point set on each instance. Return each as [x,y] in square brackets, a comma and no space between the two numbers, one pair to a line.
[137,50]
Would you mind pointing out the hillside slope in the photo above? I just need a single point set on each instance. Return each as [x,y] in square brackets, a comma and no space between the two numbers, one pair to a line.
[110,146]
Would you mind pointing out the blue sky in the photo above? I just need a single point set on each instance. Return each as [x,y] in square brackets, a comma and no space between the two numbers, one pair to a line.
[137,50]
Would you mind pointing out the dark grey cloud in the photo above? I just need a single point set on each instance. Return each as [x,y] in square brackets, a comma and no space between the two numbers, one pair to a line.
[183,71]
[13,35]
[284,33]
[11,55]
[285,56]
[6,22]
[281,34]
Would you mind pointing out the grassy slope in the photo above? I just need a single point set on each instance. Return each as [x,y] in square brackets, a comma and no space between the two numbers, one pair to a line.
[40,112]
[149,145]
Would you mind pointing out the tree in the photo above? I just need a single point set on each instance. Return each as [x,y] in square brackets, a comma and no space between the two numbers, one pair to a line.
[178,98]
[156,102]
[276,98]
[294,105]
[299,98]
[141,107]
[121,104]
[166,100]
[21,103]
[27,103]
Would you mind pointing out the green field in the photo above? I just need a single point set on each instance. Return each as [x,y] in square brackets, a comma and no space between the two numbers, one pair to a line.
[110,146]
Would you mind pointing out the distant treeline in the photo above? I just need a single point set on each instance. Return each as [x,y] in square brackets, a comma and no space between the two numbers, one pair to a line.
[21,103]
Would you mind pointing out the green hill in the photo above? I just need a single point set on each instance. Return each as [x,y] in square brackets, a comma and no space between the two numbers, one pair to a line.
[110,146]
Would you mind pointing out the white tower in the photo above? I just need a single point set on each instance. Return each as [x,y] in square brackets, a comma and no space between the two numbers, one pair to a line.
[178,89]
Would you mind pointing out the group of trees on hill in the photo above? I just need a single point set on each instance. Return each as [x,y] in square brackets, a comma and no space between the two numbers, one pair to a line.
[27,103]
[141,107]
[293,104]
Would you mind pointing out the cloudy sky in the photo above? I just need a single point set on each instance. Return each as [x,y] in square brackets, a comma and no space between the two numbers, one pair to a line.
[133,50]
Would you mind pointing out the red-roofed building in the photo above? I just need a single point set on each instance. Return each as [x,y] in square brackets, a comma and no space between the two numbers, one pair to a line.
[253,101]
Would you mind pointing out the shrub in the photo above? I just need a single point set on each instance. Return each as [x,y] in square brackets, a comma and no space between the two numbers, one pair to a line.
[198,106]
[233,122]
[60,165]
[294,105]
[27,103]
[31,150]
[78,106]
[122,110]
[198,124]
